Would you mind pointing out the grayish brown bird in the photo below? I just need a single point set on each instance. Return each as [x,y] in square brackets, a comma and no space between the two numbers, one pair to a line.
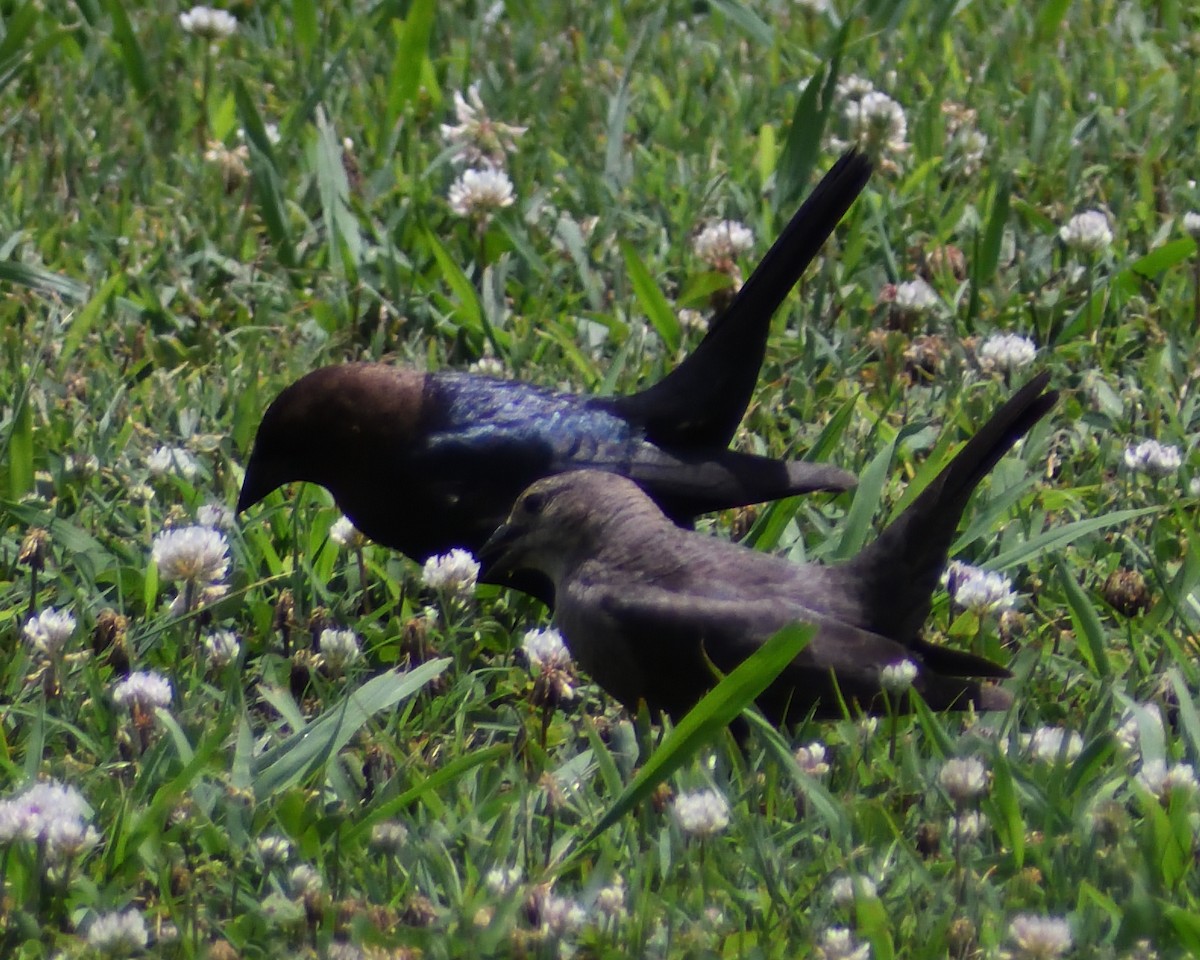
[425,462]
[645,607]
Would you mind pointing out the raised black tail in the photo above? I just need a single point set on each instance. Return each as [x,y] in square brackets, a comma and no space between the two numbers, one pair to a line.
[701,402]
[898,573]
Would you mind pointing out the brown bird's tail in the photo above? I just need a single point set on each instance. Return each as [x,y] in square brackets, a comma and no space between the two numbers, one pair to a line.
[701,402]
[897,574]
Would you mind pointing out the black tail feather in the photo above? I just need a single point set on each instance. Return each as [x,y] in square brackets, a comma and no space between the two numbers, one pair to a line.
[702,401]
[900,570]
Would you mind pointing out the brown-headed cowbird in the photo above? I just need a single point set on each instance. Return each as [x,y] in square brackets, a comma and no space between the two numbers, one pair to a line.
[646,607]
[425,462]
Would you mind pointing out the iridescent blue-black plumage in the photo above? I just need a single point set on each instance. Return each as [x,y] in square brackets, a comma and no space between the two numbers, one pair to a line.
[427,462]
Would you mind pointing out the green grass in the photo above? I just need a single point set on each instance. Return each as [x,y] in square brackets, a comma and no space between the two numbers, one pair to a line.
[152,298]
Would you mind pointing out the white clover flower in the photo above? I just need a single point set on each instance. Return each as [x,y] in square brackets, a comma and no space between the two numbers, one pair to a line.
[233,163]
[692,319]
[304,881]
[68,838]
[720,243]
[1153,458]
[167,461]
[1191,224]
[972,144]
[967,827]
[215,515]
[390,836]
[702,813]
[49,631]
[915,298]
[877,123]
[837,943]
[143,688]
[41,811]
[1162,780]
[1006,352]
[345,534]
[488,367]
[1039,938]
[208,23]
[453,573]
[898,677]
[476,138]
[978,590]
[477,192]
[222,648]
[193,555]
[853,87]
[1046,744]
[118,934]
[81,465]
[811,759]
[963,778]
[273,850]
[1087,231]
[846,890]
[339,649]
[1129,732]
[560,915]
[503,880]
[610,900]
[546,650]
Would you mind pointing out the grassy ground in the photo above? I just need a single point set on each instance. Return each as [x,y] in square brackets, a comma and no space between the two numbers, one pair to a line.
[189,226]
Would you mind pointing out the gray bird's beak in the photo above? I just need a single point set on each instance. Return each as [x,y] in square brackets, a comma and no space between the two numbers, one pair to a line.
[495,555]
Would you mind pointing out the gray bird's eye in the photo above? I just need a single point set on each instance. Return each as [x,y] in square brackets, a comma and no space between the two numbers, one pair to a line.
[534,502]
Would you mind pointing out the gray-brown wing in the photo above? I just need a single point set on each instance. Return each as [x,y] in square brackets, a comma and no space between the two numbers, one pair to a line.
[642,642]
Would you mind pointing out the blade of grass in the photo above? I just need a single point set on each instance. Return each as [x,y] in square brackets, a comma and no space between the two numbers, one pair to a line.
[719,707]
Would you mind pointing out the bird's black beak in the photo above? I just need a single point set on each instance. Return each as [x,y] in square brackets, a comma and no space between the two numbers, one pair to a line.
[495,555]
[255,486]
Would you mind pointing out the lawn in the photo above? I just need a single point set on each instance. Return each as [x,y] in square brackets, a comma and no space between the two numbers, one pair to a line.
[261,736]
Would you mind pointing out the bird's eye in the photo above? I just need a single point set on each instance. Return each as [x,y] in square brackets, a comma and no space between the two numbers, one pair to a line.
[534,502]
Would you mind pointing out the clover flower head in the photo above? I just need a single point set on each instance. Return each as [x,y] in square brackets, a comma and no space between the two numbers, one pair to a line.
[720,243]
[172,461]
[118,934]
[479,191]
[1153,458]
[811,759]
[195,555]
[1006,352]
[144,689]
[838,943]
[1039,938]
[915,298]
[49,631]
[339,649]
[476,138]
[702,813]
[1162,780]
[964,778]
[978,590]
[222,648]
[898,677]
[1047,744]
[345,534]
[1087,232]
[454,573]
[208,23]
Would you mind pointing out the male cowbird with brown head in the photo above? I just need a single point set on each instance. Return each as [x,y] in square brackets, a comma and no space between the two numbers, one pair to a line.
[649,609]
[424,462]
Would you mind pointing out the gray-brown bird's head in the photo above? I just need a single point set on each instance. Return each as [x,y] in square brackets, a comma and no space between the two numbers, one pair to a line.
[566,517]
[321,427]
